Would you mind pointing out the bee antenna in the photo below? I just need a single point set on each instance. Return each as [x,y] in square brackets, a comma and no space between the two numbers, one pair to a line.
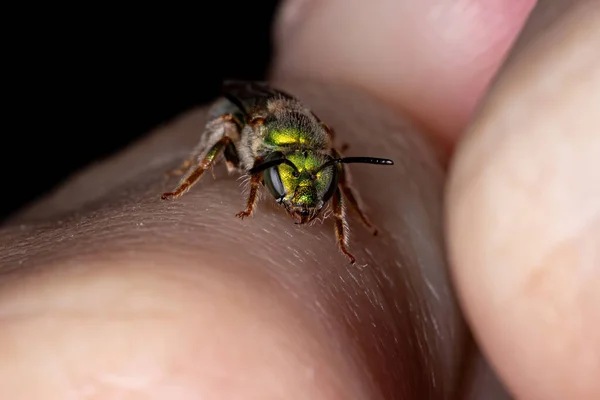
[274,163]
[356,160]
[365,160]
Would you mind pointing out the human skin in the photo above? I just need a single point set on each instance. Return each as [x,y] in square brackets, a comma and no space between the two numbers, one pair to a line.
[224,322]
[109,292]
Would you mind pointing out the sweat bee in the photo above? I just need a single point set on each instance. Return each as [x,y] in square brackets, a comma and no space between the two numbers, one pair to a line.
[279,143]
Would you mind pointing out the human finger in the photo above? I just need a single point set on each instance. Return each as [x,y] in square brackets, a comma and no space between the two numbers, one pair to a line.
[523,207]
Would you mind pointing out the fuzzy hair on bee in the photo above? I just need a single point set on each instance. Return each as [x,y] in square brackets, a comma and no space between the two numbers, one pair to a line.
[276,141]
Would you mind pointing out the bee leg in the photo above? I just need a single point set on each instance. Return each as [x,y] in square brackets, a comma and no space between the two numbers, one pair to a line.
[224,124]
[342,232]
[255,181]
[345,184]
[194,175]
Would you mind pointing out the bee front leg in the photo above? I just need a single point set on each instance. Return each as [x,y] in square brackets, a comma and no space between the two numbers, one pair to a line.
[194,175]
[342,231]
[255,181]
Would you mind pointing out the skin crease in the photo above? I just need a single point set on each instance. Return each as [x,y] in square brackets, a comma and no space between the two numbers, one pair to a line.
[543,371]
[285,302]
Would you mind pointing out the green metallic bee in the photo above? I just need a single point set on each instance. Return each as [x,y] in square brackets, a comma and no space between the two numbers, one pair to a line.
[279,143]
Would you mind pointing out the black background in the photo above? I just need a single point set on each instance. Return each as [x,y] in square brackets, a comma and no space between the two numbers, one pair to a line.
[83,83]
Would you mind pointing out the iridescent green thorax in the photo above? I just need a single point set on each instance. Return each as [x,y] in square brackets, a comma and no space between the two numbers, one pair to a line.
[287,136]
[294,129]
[311,185]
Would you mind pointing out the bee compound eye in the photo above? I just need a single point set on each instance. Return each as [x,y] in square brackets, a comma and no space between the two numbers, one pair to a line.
[273,182]
[331,179]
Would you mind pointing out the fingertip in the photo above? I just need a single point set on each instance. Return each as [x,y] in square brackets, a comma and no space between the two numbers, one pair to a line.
[522,216]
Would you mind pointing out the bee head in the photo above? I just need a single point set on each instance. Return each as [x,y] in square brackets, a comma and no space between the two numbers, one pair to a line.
[304,180]
[300,184]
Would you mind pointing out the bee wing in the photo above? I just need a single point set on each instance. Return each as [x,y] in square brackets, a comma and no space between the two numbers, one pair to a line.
[250,96]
